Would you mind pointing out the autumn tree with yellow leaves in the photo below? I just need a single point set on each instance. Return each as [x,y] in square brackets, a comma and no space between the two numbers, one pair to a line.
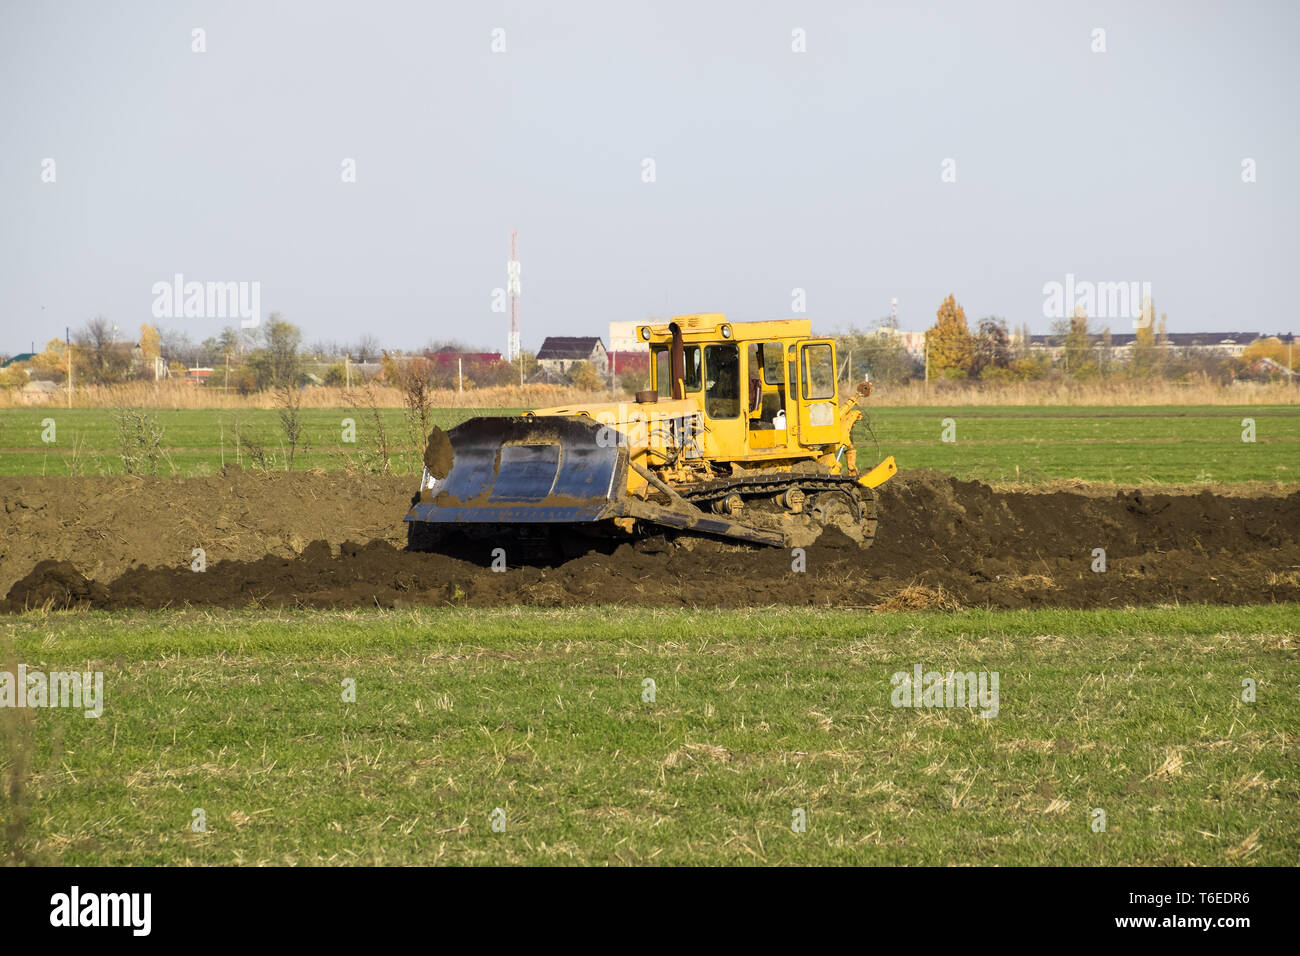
[949,343]
[1282,353]
[150,346]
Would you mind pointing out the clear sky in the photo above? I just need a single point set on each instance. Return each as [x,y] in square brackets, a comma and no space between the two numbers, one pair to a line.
[774,170]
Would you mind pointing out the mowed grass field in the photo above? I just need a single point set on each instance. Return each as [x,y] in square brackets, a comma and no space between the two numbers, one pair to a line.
[758,718]
[998,444]
[545,716]
[1137,445]
[197,442]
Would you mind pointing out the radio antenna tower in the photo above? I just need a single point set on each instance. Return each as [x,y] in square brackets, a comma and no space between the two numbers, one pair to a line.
[513,290]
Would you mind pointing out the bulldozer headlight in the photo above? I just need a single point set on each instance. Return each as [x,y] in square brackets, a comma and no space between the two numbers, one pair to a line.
[726,331]
[645,333]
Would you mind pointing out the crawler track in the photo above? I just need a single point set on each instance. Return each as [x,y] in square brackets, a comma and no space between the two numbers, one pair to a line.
[836,500]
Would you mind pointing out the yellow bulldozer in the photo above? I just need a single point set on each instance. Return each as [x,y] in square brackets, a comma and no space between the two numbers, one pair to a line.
[743,435]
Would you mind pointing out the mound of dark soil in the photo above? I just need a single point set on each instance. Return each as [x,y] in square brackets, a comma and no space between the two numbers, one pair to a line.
[330,541]
[57,585]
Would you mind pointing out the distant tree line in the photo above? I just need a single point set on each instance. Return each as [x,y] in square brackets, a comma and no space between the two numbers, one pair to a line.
[1075,350]
[272,356]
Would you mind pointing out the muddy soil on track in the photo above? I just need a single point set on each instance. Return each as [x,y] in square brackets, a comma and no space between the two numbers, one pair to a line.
[316,540]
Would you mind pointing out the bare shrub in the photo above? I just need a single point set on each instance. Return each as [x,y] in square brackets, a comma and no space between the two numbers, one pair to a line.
[419,420]
[376,459]
[139,437]
[291,424]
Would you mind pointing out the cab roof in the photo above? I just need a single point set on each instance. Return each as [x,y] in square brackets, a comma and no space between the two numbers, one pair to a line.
[710,326]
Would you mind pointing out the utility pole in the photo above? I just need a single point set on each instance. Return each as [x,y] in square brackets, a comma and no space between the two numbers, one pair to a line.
[460,373]
[514,290]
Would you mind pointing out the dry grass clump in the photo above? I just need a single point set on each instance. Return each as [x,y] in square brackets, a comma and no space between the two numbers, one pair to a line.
[1034,582]
[919,597]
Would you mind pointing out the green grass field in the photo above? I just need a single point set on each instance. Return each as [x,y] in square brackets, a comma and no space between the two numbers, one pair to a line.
[756,715]
[198,441]
[1108,445]
[999,444]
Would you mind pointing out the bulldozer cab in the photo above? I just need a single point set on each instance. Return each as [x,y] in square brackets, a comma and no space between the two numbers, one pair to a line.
[765,389]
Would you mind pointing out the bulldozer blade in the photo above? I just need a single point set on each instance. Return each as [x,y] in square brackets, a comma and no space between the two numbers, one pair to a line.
[545,469]
[552,470]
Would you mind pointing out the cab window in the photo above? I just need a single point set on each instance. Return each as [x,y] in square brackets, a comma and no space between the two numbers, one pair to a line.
[722,381]
[664,374]
[692,376]
[772,363]
[818,372]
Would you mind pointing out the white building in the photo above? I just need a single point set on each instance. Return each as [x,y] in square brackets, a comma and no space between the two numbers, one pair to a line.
[622,337]
[914,342]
